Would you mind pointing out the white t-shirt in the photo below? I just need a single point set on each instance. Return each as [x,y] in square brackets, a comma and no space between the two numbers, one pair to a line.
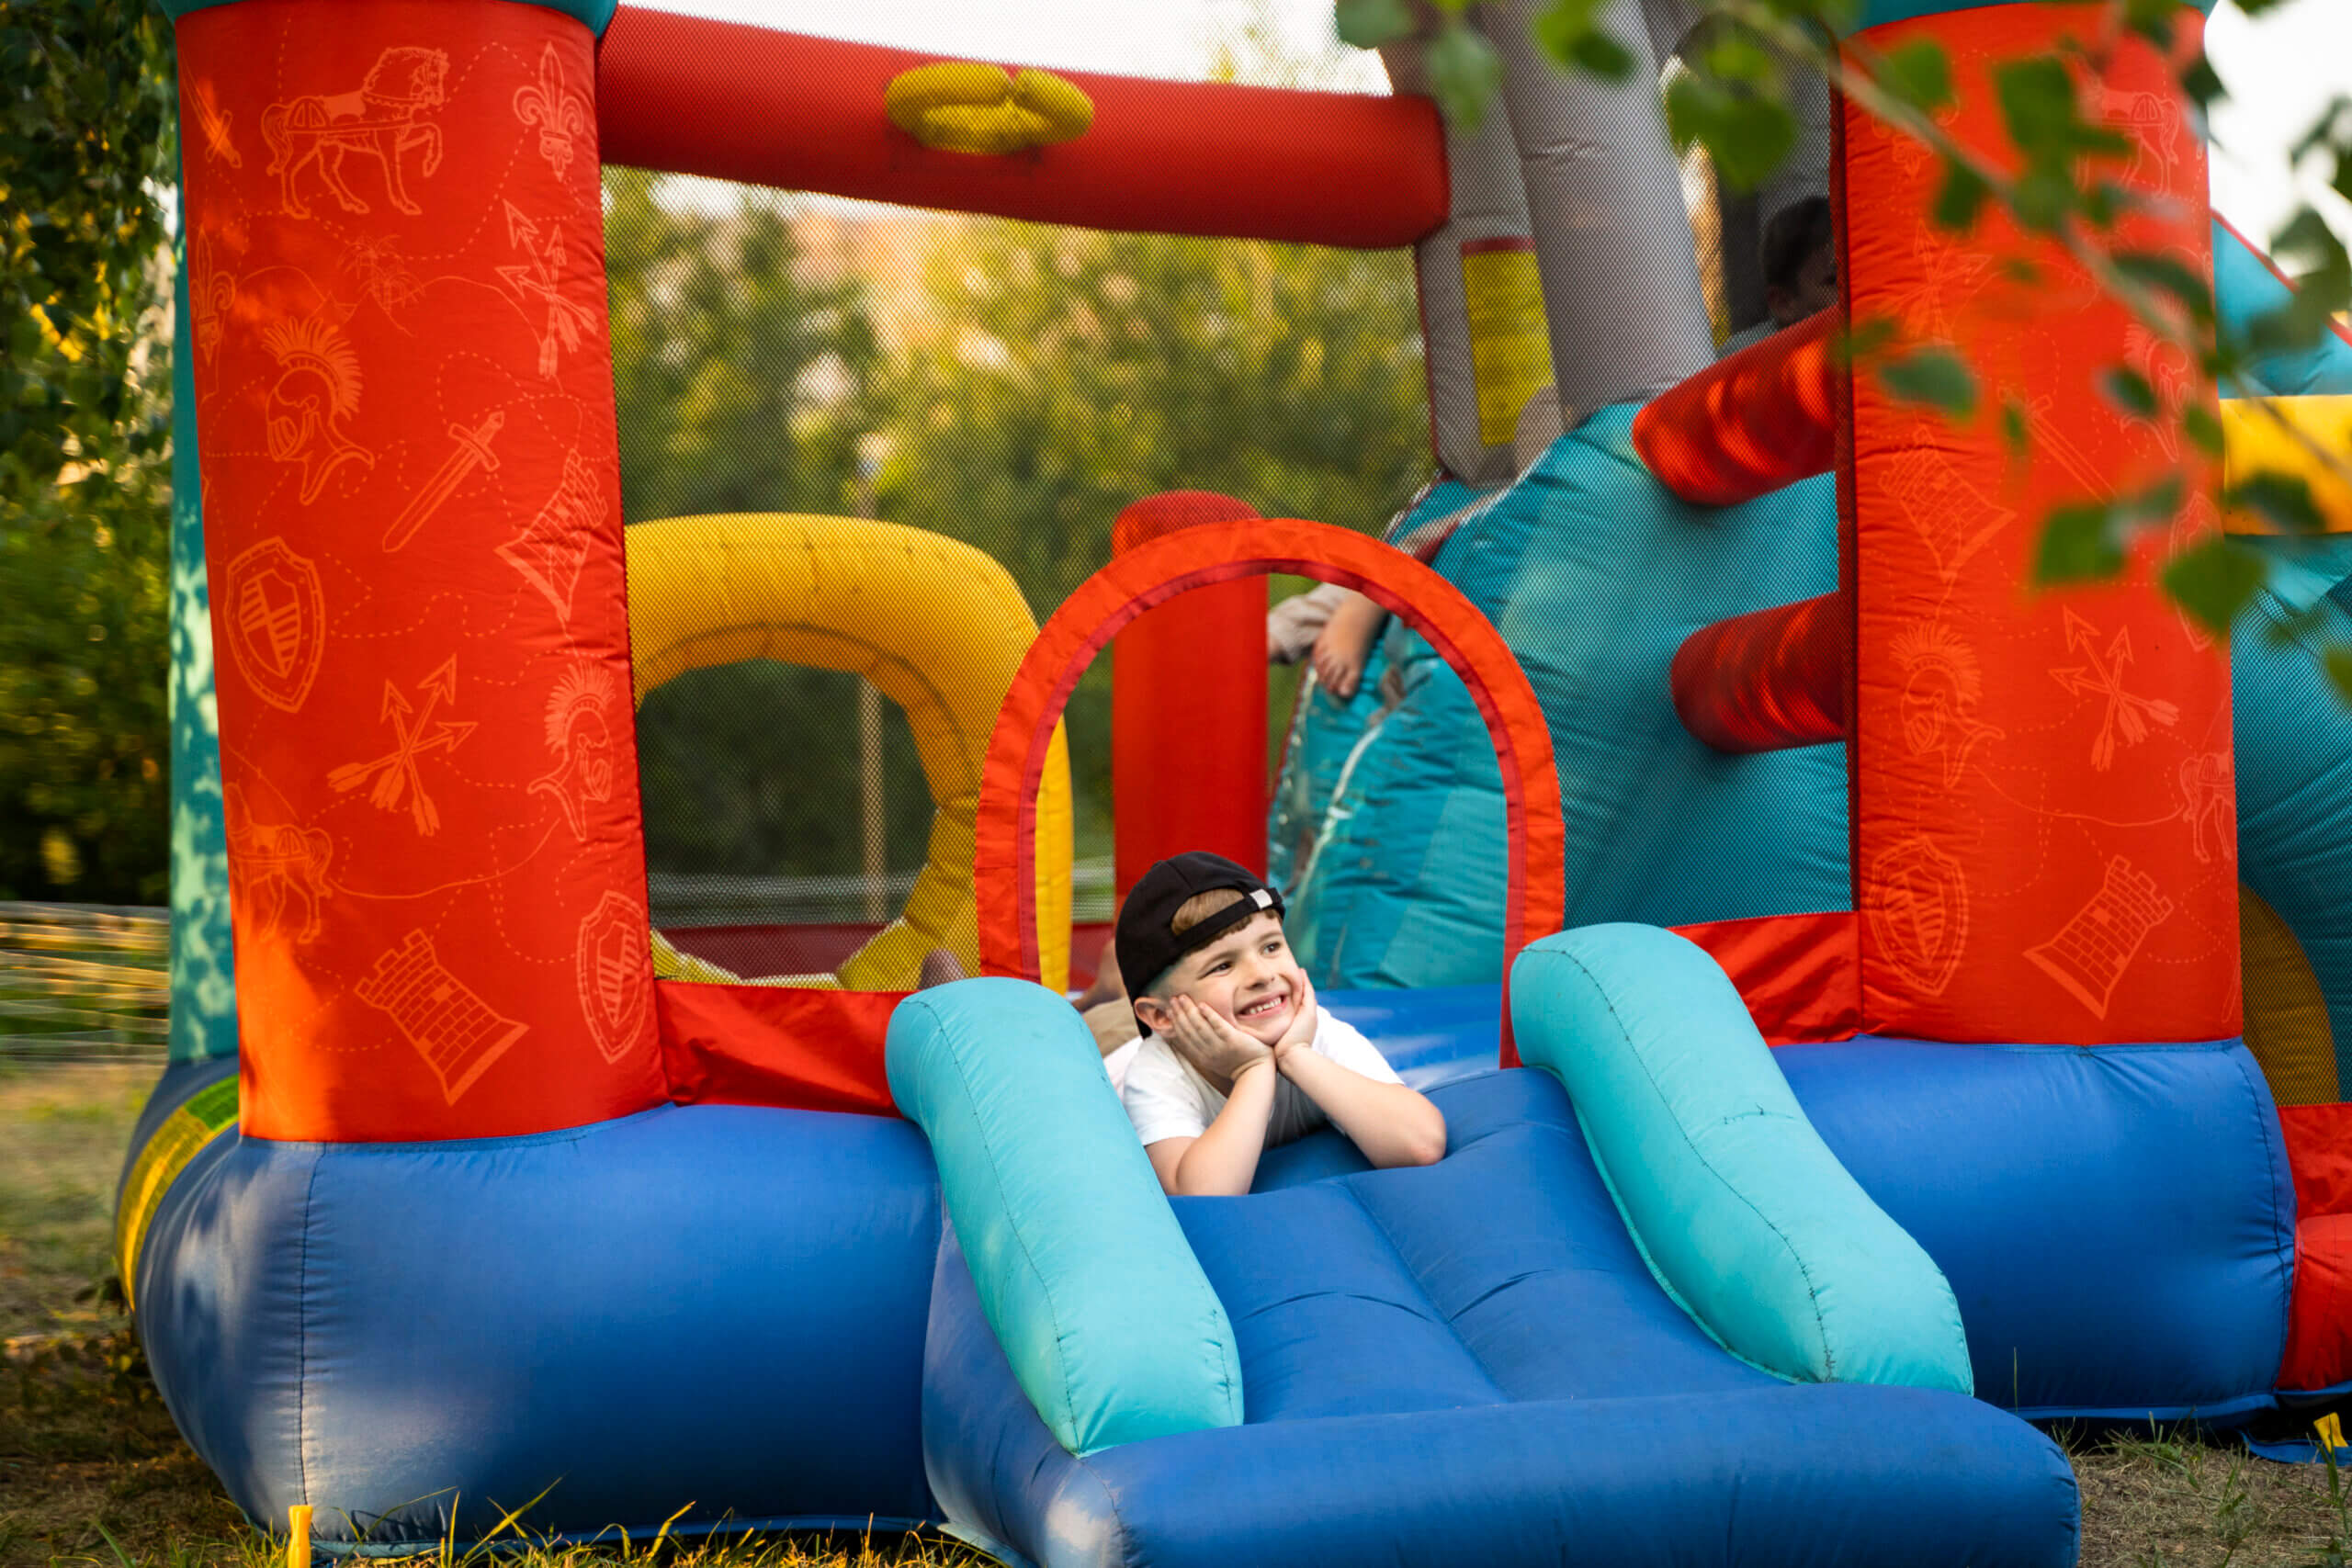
[1166,1098]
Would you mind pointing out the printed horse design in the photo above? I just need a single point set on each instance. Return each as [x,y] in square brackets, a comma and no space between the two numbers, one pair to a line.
[288,867]
[382,121]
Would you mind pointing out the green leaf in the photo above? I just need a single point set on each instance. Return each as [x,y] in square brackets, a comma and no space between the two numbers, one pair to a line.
[1919,72]
[1368,24]
[1600,54]
[2339,660]
[2152,19]
[2170,277]
[2016,432]
[1559,29]
[1961,198]
[2159,503]
[2203,428]
[2129,390]
[1747,135]
[2042,198]
[2078,545]
[1466,73]
[2202,84]
[1936,377]
[1735,55]
[2037,99]
[2326,132]
[1864,339]
[2282,498]
[2215,579]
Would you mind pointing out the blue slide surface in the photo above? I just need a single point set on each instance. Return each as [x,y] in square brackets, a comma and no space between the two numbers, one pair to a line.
[1471,1361]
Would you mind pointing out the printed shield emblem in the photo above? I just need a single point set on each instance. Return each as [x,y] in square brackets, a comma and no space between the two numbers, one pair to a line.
[276,620]
[616,973]
[1918,913]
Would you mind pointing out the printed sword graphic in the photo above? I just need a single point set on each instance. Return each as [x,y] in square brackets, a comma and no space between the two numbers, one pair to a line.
[473,452]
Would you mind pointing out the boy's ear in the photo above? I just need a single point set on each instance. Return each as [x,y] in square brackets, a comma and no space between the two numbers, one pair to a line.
[1153,1013]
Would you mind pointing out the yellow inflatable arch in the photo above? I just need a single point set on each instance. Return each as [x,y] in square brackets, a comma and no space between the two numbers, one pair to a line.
[936,627]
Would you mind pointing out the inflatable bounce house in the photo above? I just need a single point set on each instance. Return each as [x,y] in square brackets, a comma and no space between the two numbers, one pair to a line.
[1875,1007]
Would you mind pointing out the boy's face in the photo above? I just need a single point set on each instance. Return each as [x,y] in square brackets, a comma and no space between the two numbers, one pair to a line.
[1246,977]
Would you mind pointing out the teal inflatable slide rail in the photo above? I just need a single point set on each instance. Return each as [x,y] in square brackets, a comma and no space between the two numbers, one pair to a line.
[1112,1330]
[1745,1216]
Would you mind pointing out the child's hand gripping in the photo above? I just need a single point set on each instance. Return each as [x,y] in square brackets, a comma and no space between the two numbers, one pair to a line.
[1217,1050]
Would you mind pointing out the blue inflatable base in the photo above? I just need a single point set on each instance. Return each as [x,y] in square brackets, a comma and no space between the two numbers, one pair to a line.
[731,1307]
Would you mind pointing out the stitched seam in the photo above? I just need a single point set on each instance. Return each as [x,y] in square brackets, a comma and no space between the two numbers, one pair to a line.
[1805,1272]
[1405,1268]
[302,1335]
[2282,1239]
[1111,1500]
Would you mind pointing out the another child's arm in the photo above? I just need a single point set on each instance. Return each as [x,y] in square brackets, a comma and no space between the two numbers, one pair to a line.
[1222,1161]
[1388,1122]
[1344,647]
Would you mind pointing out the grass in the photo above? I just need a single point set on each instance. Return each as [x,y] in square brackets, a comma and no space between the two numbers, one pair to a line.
[93,1472]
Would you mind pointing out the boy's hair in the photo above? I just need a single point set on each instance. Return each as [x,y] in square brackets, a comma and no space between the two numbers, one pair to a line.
[1200,906]
[1795,232]
[1197,910]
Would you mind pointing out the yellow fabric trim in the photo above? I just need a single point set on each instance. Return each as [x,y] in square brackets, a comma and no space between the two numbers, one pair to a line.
[2286,1015]
[1510,346]
[960,106]
[177,1140]
[937,626]
[2252,442]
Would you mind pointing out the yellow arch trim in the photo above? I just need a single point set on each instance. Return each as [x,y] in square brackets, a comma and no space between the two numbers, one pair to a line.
[2286,1015]
[937,626]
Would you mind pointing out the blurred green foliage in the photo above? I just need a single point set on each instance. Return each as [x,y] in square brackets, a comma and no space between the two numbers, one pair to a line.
[87,151]
[1038,380]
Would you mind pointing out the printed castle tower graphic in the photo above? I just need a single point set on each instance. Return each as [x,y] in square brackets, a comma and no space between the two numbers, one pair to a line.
[2089,954]
[457,1033]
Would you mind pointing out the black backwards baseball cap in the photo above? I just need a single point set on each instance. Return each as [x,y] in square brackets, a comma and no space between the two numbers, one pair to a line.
[1147,948]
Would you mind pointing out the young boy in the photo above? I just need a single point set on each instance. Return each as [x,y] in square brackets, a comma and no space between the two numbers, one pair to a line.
[1236,1056]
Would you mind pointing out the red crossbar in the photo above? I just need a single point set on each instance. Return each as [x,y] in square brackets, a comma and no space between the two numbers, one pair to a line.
[686,94]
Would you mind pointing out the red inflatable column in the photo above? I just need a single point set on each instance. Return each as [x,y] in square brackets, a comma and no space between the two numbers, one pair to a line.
[404,404]
[1188,707]
[2044,821]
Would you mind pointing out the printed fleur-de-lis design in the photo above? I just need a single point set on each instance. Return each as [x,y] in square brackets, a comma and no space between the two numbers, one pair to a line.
[560,114]
[541,281]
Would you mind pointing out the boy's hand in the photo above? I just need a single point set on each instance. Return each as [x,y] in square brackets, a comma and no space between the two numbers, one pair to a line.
[1217,1050]
[1300,1035]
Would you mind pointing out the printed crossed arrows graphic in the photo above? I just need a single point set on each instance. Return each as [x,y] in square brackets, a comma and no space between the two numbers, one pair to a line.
[542,281]
[395,775]
[2101,675]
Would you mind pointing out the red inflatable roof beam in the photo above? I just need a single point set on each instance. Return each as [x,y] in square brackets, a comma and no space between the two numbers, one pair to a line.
[684,94]
[1748,425]
[1769,680]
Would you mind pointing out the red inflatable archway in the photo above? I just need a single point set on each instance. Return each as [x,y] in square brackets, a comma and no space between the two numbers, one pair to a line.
[1005,859]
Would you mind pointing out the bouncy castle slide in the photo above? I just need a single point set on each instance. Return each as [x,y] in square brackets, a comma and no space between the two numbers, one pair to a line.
[483,1213]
